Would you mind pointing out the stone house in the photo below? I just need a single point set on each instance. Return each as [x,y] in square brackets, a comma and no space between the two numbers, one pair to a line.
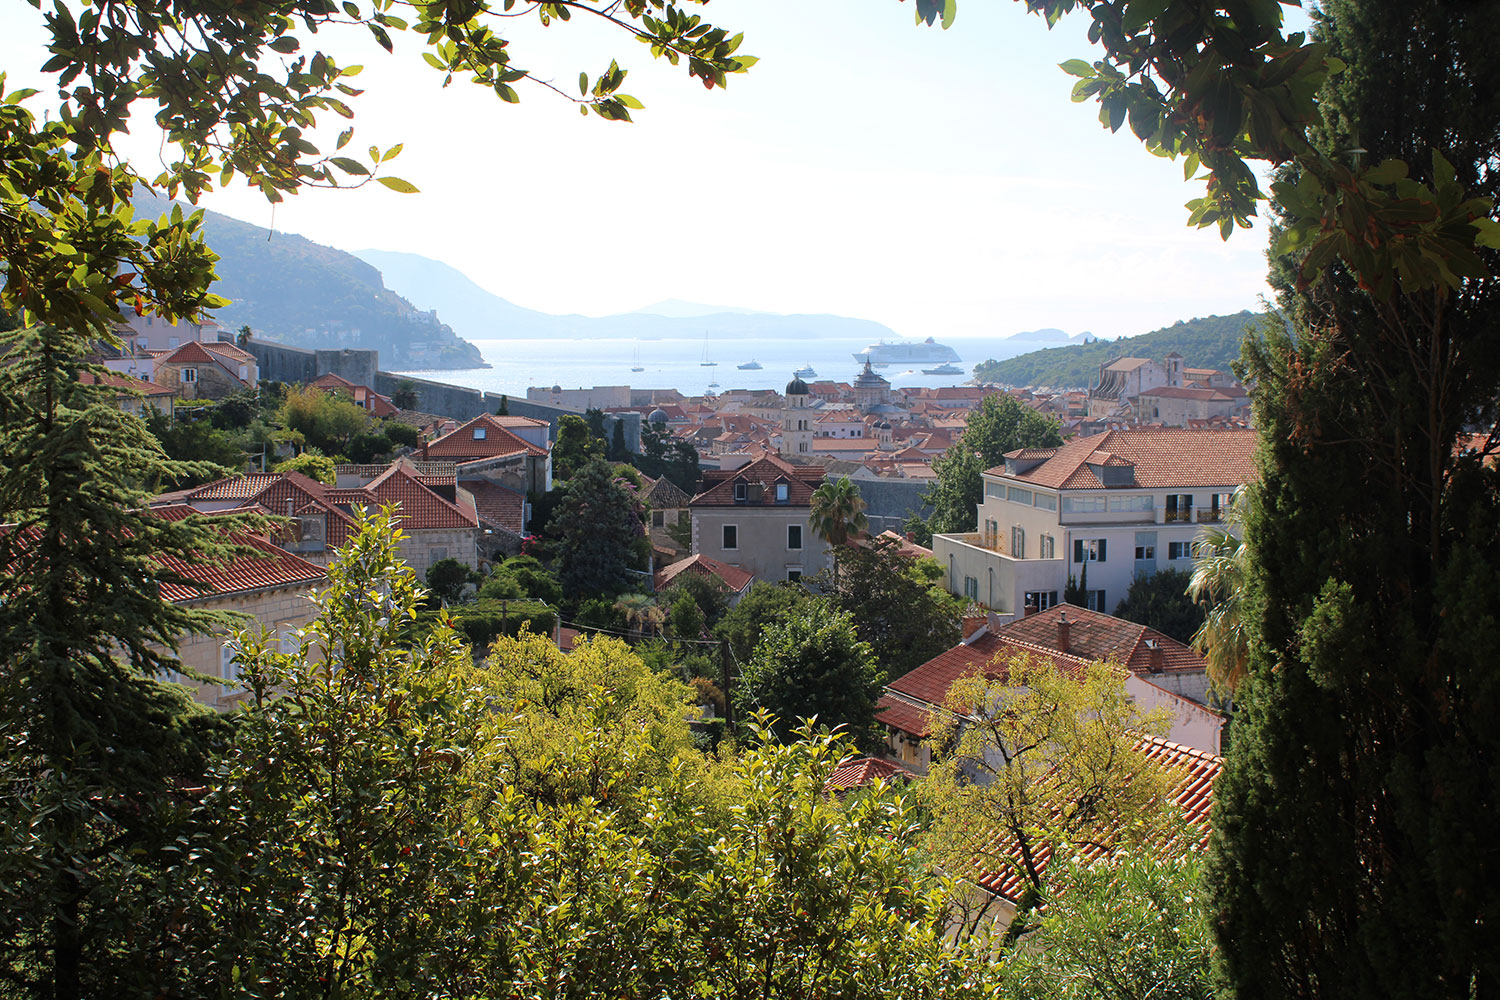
[135,395]
[755,517]
[192,371]
[436,525]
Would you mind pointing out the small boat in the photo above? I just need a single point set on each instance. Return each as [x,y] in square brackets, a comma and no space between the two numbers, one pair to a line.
[807,371]
[749,366]
[637,368]
[713,385]
[943,370]
[705,363]
[635,362]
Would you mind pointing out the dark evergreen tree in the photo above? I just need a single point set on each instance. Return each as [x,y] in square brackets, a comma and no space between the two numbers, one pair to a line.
[600,527]
[1161,601]
[1353,853]
[617,450]
[575,447]
[905,616]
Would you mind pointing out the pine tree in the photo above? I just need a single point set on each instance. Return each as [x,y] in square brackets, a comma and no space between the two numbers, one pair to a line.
[1353,848]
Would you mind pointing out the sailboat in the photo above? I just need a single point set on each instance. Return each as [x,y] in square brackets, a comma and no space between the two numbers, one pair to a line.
[705,363]
[636,367]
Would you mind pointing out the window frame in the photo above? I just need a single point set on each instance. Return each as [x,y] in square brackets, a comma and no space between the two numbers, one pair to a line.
[724,534]
[801,540]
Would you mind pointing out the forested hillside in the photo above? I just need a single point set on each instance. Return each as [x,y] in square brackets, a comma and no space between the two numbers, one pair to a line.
[289,289]
[1206,342]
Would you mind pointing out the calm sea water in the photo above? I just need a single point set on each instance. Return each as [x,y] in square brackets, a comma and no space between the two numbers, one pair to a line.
[676,364]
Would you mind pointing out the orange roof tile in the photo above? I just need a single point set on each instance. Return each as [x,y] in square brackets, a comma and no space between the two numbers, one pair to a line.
[269,567]
[732,578]
[420,508]
[130,383]
[718,485]
[1163,458]
[862,771]
[482,437]
[497,506]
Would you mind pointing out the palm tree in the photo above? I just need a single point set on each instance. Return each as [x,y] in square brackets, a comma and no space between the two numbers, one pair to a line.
[641,613]
[838,514]
[1219,582]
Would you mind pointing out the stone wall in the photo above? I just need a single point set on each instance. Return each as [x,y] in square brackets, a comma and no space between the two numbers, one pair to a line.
[282,610]
[888,502]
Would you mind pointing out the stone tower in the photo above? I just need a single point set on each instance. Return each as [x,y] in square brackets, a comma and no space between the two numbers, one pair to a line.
[796,420]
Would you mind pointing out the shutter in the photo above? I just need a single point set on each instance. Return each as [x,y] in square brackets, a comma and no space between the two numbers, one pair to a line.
[1101,550]
[1078,550]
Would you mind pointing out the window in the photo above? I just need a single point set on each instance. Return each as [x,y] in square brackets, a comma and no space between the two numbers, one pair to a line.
[782,494]
[1084,505]
[1179,550]
[1044,501]
[731,536]
[1048,547]
[439,553]
[995,490]
[1088,550]
[1018,541]
[190,374]
[480,432]
[1179,507]
[1135,504]
[1016,494]
[971,588]
[793,574]
[794,536]
[1096,602]
[229,671]
[741,491]
[1145,552]
[658,519]
[1041,599]
[172,341]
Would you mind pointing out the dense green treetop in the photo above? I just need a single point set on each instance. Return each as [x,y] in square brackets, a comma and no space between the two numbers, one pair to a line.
[1161,601]
[1206,342]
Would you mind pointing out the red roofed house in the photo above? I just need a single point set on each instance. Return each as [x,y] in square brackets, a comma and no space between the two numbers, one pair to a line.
[192,371]
[862,771]
[735,581]
[435,526]
[510,451]
[755,517]
[363,396]
[134,395]
[1122,503]
[1179,405]
[270,585]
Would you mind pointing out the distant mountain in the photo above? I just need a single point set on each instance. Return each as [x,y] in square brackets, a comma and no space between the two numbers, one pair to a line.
[289,289]
[686,310]
[1207,342]
[1051,335]
[481,315]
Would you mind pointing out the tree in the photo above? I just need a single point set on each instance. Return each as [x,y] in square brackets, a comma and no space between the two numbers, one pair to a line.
[312,464]
[897,609]
[838,513]
[328,421]
[642,615]
[503,410]
[814,664]
[447,578]
[600,526]
[575,447]
[685,619]
[594,417]
[1350,804]
[1031,758]
[1161,601]
[765,605]
[405,395]
[1000,424]
[1218,586]
[617,450]
[242,338]
[93,749]
[1130,925]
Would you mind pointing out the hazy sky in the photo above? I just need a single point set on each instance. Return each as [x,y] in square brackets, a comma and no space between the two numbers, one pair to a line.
[939,182]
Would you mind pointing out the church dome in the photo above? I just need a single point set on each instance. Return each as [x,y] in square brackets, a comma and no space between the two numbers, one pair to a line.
[657,416]
[796,387]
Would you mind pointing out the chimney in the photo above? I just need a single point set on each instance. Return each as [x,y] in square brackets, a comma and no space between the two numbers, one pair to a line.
[1029,610]
[1064,627]
[911,537]
[1158,661]
[973,623]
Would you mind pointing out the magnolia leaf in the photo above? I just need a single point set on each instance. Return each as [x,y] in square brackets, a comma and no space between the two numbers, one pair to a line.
[397,184]
[285,44]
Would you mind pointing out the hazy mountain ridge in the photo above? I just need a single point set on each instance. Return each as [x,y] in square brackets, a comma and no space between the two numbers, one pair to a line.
[283,285]
[1203,342]
[478,314]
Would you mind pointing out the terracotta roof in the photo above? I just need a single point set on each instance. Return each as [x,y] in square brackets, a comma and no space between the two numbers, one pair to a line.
[1126,364]
[462,445]
[307,496]
[1196,771]
[665,495]
[864,771]
[421,509]
[732,578]
[1095,636]
[270,567]
[228,350]
[129,383]
[1186,392]
[907,715]
[497,506]
[233,488]
[905,546]
[802,480]
[1164,458]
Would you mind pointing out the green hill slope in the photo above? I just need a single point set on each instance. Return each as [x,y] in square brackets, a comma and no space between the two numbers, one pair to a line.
[289,289]
[1207,342]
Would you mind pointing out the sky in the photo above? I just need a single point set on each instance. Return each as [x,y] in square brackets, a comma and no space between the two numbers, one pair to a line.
[940,182]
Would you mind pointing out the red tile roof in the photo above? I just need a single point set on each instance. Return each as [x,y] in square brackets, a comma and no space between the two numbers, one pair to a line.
[497,506]
[1196,771]
[802,480]
[270,567]
[130,383]
[732,578]
[421,509]
[1095,636]
[1186,392]
[194,353]
[233,488]
[306,496]
[857,773]
[1164,458]
[462,446]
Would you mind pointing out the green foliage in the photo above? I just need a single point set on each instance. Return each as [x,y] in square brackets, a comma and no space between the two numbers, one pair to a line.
[503,410]
[813,663]
[600,613]
[447,578]
[663,454]
[522,576]
[405,395]
[708,594]
[685,620]
[600,531]
[328,421]
[312,464]
[594,417]
[1161,601]
[1131,926]
[617,450]
[765,605]
[1076,592]
[486,619]
[575,447]
[897,608]
[206,452]
[837,513]
[1203,342]
[999,424]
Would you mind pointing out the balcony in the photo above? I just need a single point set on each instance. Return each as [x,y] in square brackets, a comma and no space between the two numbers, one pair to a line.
[1210,516]
[1184,516]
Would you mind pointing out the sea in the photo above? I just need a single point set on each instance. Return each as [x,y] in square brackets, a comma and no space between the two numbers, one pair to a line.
[516,365]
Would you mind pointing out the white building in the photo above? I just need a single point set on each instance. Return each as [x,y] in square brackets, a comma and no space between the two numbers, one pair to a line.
[1113,506]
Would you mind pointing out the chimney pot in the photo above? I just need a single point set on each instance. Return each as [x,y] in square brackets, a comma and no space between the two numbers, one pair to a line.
[1158,661]
[973,623]
[1064,638]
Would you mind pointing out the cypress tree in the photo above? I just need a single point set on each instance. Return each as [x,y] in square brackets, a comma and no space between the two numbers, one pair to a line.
[1353,848]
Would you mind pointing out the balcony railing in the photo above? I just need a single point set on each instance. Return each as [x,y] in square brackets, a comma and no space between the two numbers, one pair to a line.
[1210,516]
[1178,515]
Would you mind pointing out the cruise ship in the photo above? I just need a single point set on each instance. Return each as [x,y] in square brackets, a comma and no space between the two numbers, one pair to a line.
[927,352]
